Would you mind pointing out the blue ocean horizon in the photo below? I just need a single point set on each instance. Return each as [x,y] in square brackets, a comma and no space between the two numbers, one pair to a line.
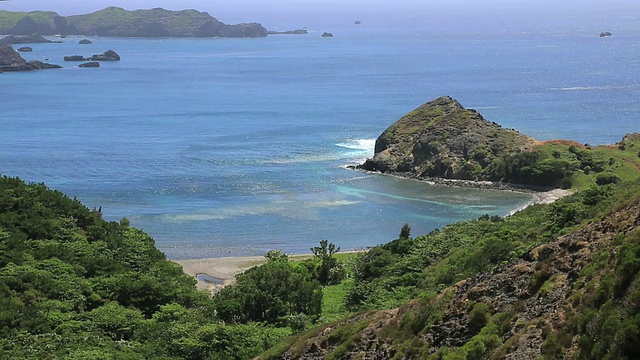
[228,147]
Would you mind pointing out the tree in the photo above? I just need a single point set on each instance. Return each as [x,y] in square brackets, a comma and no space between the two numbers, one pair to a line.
[405,232]
[330,271]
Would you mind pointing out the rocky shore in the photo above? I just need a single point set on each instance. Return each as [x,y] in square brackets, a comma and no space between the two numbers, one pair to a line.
[10,60]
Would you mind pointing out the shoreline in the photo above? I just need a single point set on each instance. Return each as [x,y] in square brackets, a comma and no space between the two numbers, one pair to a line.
[541,194]
[225,269]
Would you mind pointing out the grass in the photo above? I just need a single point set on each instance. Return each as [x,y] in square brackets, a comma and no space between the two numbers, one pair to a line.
[333,306]
[622,161]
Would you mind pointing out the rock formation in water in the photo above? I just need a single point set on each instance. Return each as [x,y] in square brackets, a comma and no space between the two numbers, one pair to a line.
[91,64]
[327,34]
[108,55]
[443,139]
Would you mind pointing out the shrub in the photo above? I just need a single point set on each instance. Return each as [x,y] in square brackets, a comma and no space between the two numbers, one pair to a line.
[607,178]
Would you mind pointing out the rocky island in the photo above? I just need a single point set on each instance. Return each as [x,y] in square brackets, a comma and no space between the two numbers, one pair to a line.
[443,142]
[115,21]
[108,55]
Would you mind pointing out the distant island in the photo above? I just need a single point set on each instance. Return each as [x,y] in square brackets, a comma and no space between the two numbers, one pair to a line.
[605,34]
[115,21]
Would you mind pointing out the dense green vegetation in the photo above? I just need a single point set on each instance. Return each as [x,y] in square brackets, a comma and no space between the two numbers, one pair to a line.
[73,286]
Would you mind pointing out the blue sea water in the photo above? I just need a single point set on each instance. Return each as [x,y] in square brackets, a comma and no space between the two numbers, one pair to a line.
[222,147]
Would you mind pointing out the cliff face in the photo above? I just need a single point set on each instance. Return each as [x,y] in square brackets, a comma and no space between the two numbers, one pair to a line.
[114,21]
[443,139]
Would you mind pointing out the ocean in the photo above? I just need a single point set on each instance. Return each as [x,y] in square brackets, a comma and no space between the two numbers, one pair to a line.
[227,147]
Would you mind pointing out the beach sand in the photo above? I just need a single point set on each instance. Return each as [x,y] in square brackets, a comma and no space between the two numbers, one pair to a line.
[226,268]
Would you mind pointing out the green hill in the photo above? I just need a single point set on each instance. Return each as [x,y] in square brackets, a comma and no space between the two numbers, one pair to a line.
[115,21]
[73,286]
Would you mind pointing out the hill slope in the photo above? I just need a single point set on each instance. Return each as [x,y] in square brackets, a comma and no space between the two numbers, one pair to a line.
[575,296]
[74,286]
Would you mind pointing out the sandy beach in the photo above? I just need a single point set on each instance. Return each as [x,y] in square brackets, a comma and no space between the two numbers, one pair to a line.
[225,269]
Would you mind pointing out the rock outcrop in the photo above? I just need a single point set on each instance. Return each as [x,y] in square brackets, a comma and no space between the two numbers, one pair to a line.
[108,55]
[114,21]
[85,42]
[443,139]
[25,49]
[74,58]
[10,60]
[327,34]
[91,64]
[605,34]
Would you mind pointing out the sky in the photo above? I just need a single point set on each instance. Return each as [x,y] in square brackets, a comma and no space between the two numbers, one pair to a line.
[446,13]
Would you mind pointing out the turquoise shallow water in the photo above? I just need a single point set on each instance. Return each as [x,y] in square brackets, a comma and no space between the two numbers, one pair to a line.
[221,147]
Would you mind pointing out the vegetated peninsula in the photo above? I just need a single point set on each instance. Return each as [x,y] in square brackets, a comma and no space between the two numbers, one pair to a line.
[444,142]
[115,21]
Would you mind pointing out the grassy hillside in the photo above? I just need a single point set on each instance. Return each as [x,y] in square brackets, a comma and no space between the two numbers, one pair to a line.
[552,281]
[9,19]
[115,21]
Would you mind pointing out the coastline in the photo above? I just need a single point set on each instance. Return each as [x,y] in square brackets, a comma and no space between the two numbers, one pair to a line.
[224,269]
[542,195]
